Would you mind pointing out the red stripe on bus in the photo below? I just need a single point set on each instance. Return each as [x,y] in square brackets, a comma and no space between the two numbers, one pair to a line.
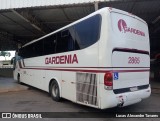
[78,67]
[94,71]
[131,50]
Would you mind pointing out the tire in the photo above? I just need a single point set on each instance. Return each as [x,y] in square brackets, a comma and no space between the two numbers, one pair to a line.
[54,91]
[18,79]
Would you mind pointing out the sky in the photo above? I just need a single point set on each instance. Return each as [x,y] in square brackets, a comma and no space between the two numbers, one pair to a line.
[8,58]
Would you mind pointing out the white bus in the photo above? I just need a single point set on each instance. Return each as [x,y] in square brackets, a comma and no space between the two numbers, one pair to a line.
[101,60]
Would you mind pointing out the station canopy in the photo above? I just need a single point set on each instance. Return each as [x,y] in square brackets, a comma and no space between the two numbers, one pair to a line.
[22,21]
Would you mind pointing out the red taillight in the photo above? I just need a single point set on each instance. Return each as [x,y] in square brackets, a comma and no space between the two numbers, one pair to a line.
[108,80]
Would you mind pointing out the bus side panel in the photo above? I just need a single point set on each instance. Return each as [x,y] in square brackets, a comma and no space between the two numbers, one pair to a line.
[52,75]
[105,99]
[26,76]
[69,85]
[86,60]
[39,79]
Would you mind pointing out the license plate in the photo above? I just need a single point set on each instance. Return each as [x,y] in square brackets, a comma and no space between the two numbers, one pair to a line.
[133,89]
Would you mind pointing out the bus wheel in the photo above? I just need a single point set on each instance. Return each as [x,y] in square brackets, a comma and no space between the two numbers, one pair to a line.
[18,79]
[54,91]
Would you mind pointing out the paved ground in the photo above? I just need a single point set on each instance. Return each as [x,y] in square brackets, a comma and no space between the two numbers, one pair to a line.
[6,72]
[10,85]
[34,100]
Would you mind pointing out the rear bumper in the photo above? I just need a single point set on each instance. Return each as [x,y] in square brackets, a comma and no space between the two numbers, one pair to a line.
[124,99]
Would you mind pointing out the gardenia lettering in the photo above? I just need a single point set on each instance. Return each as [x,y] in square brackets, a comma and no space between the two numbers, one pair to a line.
[64,59]
[135,31]
[122,26]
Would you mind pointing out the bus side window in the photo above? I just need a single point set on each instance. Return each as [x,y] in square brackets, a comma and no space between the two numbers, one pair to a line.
[87,32]
[65,40]
[38,48]
[28,51]
[49,44]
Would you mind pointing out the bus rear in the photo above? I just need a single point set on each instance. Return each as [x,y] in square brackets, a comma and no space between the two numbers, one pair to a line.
[128,58]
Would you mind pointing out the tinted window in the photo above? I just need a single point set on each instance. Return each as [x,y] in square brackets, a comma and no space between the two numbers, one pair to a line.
[87,32]
[37,48]
[49,45]
[28,51]
[65,40]
[22,52]
[79,36]
[32,50]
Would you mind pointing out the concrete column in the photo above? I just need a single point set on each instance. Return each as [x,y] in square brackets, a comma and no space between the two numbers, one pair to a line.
[96,5]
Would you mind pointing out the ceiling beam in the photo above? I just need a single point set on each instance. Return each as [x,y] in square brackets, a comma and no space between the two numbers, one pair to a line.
[17,23]
[59,22]
[65,14]
[32,20]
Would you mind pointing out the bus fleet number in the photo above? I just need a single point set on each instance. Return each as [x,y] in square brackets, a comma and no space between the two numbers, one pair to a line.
[133,60]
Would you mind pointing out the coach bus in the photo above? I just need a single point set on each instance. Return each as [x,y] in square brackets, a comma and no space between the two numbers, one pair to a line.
[101,60]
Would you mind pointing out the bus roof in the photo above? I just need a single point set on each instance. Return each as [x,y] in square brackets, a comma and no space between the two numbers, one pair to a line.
[92,14]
